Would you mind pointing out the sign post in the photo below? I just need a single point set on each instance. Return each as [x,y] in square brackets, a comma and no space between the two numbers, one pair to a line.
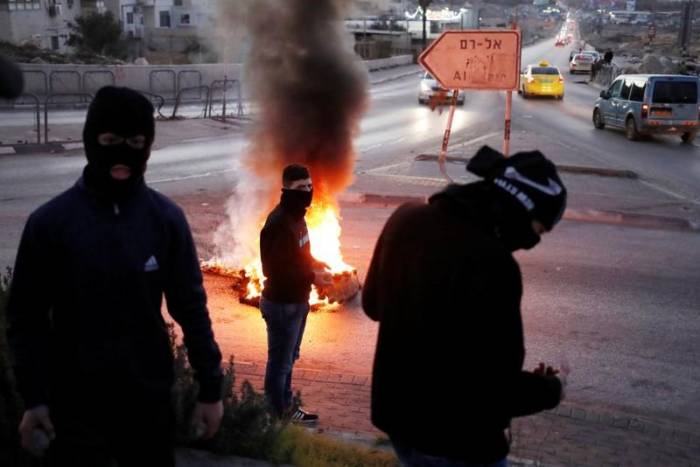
[481,59]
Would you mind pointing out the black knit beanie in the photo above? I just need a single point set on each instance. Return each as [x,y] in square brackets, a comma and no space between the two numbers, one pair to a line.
[529,178]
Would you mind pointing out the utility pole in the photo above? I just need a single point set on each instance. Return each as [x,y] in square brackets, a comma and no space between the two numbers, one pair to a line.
[686,31]
[424,10]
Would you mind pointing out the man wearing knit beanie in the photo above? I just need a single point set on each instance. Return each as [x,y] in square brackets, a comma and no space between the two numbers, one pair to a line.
[446,290]
[91,351]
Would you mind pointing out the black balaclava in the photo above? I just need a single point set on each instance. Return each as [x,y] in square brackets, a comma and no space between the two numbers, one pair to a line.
[525,187]
[123,112]
[295,201]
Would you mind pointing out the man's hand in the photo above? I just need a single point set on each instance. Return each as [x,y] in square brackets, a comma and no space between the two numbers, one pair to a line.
[206,419]
[33,420]
[562,374]
[323,278]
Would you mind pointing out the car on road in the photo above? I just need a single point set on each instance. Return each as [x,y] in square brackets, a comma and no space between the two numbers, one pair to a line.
[650,104]
[430,88]
[541,79]
[581,62]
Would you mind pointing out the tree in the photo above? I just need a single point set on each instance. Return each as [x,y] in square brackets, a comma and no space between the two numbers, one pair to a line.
[424,4]
[96,33]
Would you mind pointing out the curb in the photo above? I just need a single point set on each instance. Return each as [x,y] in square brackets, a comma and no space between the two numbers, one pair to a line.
[600,171]
[34,148]
[648,221]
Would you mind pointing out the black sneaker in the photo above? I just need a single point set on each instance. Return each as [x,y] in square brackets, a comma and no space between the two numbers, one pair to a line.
[300,417]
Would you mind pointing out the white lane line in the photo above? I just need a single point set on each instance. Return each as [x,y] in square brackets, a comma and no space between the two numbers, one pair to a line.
[190,177]
[8,150]
[669,192]
[480,138]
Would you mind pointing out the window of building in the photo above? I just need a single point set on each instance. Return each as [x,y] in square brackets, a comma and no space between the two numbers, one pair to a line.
[129,17]
[185,19]
[164,19]
[54,42]
[14,5]
[177,2]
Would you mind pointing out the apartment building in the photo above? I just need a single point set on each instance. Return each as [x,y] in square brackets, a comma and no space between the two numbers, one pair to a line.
[164,24]
[42,22]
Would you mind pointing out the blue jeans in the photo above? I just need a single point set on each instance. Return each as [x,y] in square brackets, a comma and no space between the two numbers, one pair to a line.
[411,457]
[285,329]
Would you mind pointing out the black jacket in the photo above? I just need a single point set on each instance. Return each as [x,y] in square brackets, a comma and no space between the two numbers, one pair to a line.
[285,252]
[447,372]
[85,299]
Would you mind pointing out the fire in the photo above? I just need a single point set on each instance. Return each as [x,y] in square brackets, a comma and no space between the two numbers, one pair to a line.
[323,221]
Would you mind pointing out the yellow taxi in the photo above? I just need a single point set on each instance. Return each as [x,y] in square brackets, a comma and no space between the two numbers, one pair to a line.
[541,79]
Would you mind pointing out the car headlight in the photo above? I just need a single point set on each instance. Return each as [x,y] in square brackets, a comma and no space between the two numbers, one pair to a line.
[424,87]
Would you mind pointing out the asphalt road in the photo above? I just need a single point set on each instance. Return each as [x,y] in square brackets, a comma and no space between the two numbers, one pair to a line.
[619,303]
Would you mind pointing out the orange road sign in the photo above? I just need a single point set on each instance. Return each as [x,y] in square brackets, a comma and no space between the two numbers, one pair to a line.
[487,59]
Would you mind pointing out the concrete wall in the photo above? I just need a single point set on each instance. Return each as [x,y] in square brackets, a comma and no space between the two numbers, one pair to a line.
[42,79]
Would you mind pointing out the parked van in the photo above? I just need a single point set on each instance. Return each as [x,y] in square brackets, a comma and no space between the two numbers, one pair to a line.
[648,104]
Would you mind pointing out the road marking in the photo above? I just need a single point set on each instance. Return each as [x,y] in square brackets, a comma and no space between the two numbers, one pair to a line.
[193,176]
[669,192]
[7,150]
[480,138]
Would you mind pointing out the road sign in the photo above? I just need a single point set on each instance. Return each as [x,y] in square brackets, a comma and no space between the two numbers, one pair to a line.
[487,59]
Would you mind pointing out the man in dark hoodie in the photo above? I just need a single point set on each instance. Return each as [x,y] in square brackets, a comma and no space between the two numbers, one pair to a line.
[446,291]
[91,350]
[290,270]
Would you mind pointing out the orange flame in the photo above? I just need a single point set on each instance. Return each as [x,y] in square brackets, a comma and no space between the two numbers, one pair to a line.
[323,222]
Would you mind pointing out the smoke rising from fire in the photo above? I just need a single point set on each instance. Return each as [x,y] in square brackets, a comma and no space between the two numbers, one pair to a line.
[309,90]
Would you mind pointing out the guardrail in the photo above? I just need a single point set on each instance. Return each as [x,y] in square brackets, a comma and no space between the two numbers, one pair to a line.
[153,76]
[37,108]
[26,74]
[236,85]
[84,99]
[182,91]
[56,76]
[111,79]
[157,100]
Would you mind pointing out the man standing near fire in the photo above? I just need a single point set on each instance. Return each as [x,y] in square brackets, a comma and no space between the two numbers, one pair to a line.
[446,291]
[92,357]
[290,270]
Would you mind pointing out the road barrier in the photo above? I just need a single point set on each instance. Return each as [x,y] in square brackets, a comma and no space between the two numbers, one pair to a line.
[14,103]
[95,79]
[199,89]
[225,84]
[83,99]
[69,80]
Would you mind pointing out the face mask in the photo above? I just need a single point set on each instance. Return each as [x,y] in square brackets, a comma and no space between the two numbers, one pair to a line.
[513,226]
[101,159]
[517,236]
[296,200]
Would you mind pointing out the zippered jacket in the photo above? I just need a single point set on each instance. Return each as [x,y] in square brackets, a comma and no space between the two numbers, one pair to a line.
[86,295]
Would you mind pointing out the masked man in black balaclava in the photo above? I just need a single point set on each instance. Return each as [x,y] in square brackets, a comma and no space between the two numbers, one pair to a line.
[289,270]
[446,291]
[92,355]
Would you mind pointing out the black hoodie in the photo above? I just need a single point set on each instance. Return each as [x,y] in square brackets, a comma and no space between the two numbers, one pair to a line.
[447,374]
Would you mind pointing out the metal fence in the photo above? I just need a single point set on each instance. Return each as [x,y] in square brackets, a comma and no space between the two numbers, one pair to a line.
[185,90]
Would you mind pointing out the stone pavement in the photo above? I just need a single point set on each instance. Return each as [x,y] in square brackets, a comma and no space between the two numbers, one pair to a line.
[574,434]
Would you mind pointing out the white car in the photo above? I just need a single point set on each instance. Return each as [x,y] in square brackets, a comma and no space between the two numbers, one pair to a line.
[581,63]
[429,87]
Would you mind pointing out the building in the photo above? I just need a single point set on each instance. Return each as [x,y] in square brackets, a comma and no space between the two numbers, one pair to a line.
[168,25]
[43,23]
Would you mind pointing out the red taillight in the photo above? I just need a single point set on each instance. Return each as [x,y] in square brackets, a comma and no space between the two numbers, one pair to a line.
[645,110]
